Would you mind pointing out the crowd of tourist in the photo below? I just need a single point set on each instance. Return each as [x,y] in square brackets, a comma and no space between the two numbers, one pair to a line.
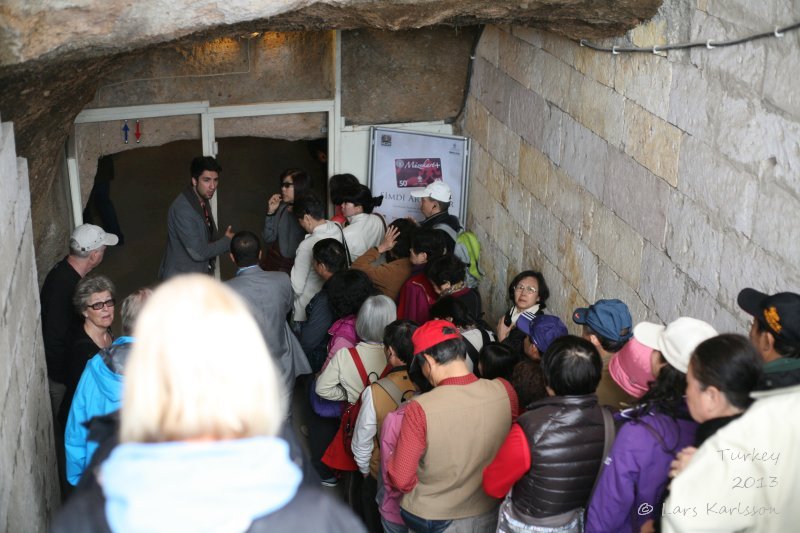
[427,414]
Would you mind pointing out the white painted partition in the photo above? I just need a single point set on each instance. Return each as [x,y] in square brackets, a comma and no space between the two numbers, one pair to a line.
[354,144]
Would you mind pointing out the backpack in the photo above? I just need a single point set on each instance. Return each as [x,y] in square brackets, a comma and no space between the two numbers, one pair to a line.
[468,250]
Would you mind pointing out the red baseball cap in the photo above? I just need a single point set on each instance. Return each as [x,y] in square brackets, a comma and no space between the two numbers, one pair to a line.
[432,333]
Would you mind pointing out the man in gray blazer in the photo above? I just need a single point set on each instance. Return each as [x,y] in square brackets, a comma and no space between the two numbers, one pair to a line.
[191,227]
[271,299]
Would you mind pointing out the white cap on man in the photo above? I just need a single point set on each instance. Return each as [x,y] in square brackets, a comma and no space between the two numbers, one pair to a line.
[438,190]
[88,237]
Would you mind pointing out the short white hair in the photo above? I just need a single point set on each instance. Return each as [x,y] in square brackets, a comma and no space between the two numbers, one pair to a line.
[375,314]
[199,368]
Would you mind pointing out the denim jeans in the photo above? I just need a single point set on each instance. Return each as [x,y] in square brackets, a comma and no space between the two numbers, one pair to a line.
[421,525]
[391,527]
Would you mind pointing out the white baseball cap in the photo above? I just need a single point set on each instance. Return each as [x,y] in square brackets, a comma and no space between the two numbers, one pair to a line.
[438,190]
[88,237]
[676,341]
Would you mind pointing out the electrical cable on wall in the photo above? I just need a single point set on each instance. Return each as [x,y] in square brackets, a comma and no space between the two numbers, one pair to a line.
[777,32]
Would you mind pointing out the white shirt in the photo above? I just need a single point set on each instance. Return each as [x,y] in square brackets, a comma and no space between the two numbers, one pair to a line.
[362,232]
[366,429]
[305,281]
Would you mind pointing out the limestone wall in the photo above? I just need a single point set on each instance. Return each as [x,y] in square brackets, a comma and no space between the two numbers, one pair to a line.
[668,182]
[28,481]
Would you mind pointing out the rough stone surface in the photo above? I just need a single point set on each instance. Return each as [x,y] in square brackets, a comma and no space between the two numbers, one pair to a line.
[636,196]
[697,197]
[729,194]
[32,30]
[694,242]
[29,484]
[392,76]
[617,245]
[646,80]
[597,107]
[653,142]
[585,157]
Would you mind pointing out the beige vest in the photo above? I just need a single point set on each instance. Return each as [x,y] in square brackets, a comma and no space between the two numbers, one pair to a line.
[466,425]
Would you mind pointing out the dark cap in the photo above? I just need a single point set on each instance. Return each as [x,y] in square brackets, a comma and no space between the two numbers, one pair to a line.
[542,329]
[608,318]
[780,313]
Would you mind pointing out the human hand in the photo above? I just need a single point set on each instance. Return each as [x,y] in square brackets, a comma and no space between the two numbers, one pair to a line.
[681,461]
[229,233]
[389,240]
[273,203]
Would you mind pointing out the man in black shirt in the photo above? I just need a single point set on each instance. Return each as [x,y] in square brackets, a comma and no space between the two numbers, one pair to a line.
[59,319]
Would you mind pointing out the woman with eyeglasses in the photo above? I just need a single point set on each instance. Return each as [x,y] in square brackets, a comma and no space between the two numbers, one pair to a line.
[282,232]
[528,293]
[94,301]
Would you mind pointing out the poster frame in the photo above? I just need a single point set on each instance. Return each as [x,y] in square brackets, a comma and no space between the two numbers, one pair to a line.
[461,193]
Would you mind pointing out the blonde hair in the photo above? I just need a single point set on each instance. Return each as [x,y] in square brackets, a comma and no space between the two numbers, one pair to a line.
[199,368]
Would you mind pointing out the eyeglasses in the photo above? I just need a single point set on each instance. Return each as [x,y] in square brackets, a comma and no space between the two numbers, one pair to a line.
[99,305]
[526,289]
[287,184]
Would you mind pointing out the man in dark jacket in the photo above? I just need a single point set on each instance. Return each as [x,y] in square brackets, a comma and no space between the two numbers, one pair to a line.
[434,202]
[775,332]
[552,455]
[190,224]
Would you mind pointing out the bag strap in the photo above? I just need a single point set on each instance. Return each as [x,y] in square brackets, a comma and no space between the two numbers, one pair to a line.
[473,354]
[346,248]
[383,221]
[484,335]
[391,388]
[447,229]
[359,366]
[610,433]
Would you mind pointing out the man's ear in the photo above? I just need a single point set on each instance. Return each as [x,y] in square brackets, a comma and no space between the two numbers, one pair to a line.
[767,340]
[595,341]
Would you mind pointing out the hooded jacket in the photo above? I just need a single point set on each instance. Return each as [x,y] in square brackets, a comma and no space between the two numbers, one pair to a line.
[636,471]
[99,392]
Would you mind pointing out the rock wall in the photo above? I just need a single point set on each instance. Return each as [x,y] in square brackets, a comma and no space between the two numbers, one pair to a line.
[28,483]
[668,182]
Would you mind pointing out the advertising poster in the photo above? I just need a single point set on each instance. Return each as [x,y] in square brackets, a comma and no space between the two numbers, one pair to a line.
[402,162]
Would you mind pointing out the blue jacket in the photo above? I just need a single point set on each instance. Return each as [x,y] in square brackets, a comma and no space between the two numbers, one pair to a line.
[99,392]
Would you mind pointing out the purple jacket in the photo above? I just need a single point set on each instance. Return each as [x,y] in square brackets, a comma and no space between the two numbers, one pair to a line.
[629,490]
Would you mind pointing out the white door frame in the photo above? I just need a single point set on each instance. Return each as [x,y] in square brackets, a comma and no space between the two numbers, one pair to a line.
[208,113]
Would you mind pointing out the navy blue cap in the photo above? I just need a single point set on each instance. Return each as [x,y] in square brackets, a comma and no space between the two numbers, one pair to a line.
[542,329]
[610,319]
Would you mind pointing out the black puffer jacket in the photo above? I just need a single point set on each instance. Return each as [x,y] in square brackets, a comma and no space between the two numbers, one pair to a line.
[566,435]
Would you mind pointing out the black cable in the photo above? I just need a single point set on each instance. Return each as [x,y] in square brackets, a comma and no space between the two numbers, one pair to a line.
[778,32]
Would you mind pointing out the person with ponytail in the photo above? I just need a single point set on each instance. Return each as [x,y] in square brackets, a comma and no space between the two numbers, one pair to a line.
[364,229]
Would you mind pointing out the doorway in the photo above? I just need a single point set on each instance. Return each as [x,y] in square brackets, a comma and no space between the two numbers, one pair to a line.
[148,179]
